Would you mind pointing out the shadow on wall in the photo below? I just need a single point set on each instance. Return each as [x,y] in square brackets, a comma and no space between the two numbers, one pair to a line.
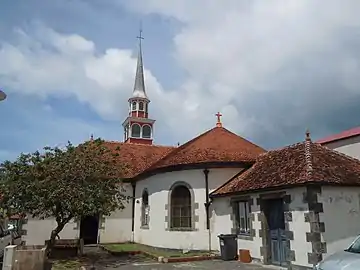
[221,207]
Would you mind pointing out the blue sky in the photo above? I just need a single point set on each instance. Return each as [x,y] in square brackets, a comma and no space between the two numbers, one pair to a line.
[272,68]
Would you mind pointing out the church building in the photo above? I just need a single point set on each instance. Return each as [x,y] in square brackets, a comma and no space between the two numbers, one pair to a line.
[291,206]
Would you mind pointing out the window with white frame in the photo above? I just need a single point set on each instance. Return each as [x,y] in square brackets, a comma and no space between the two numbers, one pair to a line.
[146,131]
[244,222]
[133,107]
[135,131]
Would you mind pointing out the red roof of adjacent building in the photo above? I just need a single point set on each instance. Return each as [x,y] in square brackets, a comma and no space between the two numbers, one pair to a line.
[340,136]
[298,164]
[135,158]
[218,145]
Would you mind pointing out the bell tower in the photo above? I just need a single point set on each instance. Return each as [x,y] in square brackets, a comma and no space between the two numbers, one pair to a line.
[138,127]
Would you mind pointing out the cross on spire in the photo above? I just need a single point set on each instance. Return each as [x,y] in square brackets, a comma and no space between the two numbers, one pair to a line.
[140,37]
[218,123]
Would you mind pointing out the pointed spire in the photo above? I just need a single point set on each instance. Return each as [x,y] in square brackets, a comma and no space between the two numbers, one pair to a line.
[139,86]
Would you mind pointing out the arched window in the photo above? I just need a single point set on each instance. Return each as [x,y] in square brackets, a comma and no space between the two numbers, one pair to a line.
[180,208]
[146,131]
[145,209]
[133,108]
[135,130]
[141,106]
[146,107]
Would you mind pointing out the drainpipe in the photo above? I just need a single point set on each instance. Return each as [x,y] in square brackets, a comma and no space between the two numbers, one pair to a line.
[133,184]
[207,205]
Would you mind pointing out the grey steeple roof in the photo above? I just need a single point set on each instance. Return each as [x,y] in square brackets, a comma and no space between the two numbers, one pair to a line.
[139,86]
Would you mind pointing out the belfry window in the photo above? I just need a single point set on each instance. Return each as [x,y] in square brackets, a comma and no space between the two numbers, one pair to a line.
[141,106]
[135,130]
[146,132]
[180,208]
[133,108]
[145,209]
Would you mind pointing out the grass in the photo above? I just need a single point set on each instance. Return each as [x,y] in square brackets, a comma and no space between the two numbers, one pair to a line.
[66,265]
[131,247]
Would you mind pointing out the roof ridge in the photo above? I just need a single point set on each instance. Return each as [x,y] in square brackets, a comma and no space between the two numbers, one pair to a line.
[308,159]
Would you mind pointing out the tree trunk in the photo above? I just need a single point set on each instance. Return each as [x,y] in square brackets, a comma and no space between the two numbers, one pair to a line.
[54,233]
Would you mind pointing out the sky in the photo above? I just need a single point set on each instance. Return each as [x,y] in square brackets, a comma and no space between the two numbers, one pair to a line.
[272,68]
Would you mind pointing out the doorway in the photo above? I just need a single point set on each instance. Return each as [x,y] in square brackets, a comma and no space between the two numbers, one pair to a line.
[89,228]
[274,212]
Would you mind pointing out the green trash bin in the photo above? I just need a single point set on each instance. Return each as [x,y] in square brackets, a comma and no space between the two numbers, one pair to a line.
[228,247]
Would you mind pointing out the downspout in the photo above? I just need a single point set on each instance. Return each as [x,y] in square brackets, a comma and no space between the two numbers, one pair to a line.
[207,206]
[133,184]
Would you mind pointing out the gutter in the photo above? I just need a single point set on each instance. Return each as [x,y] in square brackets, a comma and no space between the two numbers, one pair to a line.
[207,205]
[133,184]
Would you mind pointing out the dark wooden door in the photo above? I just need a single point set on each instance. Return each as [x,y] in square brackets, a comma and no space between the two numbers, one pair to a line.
[89,228]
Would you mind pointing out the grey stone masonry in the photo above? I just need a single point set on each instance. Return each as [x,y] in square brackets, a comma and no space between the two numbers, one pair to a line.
[316,227]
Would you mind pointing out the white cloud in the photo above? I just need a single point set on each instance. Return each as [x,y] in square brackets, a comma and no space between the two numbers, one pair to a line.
[268,66]
[249,53]
[48,63]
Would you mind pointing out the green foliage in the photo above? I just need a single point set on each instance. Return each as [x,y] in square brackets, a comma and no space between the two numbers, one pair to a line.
[63,183]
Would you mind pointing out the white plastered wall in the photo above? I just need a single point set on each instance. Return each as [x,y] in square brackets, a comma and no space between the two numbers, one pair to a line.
[38,231]
[341,217]
[116,228]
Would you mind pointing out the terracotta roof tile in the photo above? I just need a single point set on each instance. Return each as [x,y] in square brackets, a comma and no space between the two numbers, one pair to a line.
[135,158]
[215,145]
[341,136]
[301,163]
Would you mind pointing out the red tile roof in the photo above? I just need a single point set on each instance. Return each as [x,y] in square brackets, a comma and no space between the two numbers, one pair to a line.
[341,136]
[135,158]
[215,145]
[301,163]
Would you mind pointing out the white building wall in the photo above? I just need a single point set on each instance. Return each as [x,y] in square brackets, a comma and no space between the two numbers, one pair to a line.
[38,231]
[341,216]
[117,226]
[349,146]
[158,187]
[115,229]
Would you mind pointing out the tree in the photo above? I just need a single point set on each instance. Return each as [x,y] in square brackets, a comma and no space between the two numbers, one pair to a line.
[63,183]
